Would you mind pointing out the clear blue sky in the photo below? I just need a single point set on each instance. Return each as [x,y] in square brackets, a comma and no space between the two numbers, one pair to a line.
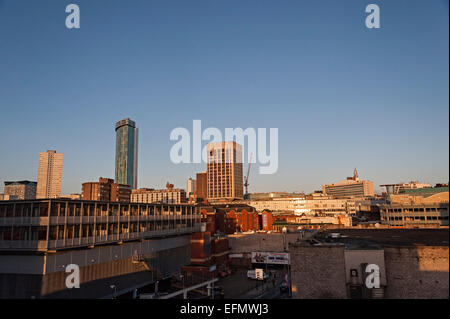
[342,95]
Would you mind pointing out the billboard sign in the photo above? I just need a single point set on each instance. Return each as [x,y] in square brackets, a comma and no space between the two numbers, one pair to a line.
[271,258]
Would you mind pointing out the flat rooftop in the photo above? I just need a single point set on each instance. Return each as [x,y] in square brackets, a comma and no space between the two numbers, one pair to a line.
[360,238]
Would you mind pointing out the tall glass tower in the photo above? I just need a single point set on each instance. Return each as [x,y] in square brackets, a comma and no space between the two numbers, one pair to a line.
[126,153]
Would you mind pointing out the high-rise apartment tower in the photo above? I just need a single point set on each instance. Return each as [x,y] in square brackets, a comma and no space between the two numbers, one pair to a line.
[49,175]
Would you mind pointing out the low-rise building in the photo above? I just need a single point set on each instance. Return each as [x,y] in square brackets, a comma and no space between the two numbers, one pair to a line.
[169,195]
[350,188]
[293,222]
[401,187]
[409,263]
[326,206]
[311,205]
[231,218]
[281,204]
[424,207]
[106,190]
[20,189]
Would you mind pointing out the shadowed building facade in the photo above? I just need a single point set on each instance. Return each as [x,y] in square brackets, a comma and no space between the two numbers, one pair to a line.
[201,186]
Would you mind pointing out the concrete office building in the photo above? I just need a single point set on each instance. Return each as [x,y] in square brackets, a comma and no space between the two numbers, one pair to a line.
[21,189]
[329,207]
[106,190]
[169,195]
[402,187]
[295,204]
[224,171]
[127,245]
[300,204]
[418,208]
[351,187]
[126,153]
[49,175]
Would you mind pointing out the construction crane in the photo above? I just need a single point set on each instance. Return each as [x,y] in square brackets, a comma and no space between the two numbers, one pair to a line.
[246,177]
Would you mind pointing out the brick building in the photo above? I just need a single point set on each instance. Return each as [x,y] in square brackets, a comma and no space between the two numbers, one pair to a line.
[209,255]
[201,186]
[231,218]
[105,190]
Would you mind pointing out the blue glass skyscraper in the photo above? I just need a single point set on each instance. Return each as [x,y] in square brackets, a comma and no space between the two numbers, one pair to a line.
[126,153]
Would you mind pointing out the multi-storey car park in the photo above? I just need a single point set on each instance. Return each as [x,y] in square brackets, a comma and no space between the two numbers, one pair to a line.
[115,244]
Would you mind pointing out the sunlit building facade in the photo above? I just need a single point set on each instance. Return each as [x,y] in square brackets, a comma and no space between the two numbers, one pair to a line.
[49,175]
[224,171]
[351,187]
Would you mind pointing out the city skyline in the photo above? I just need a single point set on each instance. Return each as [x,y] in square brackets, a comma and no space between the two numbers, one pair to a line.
[341,95]
[379,188]
[200,151]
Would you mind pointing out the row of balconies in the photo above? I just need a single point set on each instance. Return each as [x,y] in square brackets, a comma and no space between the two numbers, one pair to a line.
[61,220]
[43,245]
[414,214]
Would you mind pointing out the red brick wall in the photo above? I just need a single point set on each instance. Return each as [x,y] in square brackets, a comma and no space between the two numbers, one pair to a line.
[200,254]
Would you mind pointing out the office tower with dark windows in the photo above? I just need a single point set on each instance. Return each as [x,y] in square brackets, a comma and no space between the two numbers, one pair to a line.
[126,153]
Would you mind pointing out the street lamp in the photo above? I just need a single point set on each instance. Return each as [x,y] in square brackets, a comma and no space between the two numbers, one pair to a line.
[284,232]
[182,280]
[114,291]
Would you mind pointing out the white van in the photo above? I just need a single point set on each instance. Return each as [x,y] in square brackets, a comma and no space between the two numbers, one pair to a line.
[251,274]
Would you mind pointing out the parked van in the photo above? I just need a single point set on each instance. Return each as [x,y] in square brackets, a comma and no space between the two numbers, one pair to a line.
[251,274]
